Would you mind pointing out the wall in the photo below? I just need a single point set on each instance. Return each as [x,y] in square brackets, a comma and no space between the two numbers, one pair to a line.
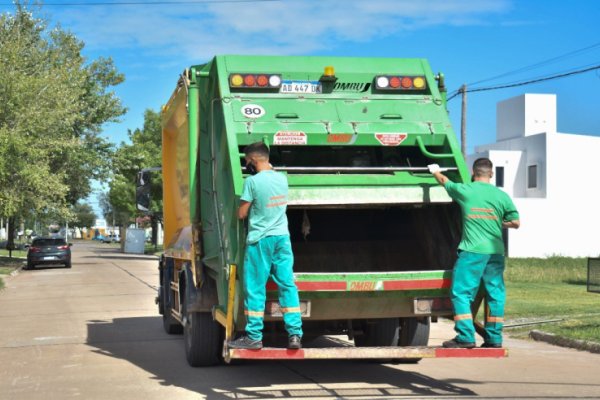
[525,115]
[516,155]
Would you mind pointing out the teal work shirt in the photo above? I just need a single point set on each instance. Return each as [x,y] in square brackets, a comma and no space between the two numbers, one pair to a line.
[268,193]
[484,208]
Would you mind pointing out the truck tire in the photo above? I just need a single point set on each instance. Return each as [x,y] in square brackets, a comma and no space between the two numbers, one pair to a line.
[379,333]
[413,332]
[202,338]
[170,324]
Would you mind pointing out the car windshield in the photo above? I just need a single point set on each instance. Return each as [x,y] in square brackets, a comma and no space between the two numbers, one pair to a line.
[49,242]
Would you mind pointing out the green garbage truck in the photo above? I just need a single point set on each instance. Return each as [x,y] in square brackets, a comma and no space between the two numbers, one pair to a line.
[374,237]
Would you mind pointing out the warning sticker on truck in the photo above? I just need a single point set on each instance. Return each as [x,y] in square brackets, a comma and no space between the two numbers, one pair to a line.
[290,138]
[390,139]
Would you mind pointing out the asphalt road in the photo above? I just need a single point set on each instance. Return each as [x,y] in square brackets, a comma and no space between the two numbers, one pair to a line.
[93,332]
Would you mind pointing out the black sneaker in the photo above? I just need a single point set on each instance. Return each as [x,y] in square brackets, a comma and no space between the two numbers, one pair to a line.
[455,344]
[244,342]
[294,342]
[491,345]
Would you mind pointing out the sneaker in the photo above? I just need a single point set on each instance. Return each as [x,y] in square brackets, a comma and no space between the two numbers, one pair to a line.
[455,344]
[491,345]
[294,342]
[244,342]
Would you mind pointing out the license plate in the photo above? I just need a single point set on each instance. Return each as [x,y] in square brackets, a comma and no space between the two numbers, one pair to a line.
[304,87]
[49,258]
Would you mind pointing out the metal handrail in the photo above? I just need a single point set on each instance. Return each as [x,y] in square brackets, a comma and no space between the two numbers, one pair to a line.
[356,169]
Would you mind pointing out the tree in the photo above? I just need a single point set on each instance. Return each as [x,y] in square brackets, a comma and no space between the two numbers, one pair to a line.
[84,215]
[54,103]
[144,151]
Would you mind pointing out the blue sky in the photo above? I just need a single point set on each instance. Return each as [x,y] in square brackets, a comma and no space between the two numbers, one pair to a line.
[468,40]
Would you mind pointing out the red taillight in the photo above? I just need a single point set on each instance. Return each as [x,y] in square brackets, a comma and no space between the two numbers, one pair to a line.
[63,247]
[34,249]
[262,80]
[395,82]
[249,80]
[406,82]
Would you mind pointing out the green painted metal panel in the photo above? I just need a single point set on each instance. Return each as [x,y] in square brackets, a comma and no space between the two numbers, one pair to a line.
[346,117]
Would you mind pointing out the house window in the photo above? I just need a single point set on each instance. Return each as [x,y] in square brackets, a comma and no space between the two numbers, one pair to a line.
[532,177]
[499,176]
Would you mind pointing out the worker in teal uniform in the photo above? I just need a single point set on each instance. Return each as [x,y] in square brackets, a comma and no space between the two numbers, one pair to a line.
[486,210]
[268,249]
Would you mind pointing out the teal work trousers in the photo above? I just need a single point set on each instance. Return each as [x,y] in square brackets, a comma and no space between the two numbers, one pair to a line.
[270,257]
[471,270]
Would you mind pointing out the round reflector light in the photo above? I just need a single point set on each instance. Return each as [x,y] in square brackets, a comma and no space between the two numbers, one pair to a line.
[406,82]
[237,80]
[419,82]
[262,80]
[249,80]
[395,82]
[274,80]
[383,82]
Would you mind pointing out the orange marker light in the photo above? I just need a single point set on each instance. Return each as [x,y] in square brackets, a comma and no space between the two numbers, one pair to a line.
[329,71]
[395,82]
[419,82]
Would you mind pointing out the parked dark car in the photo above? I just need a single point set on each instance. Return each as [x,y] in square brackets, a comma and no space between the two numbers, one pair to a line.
[48,251]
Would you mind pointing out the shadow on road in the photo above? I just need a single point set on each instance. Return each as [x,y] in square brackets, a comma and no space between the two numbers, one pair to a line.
[142,342]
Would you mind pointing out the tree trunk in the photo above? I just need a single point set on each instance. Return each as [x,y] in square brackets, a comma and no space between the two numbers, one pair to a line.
[10,244]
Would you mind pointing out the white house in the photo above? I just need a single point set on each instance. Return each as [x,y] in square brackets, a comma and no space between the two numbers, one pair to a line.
[551,177]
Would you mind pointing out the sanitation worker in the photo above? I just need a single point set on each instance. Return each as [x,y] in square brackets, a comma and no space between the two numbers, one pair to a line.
[485,211]
[268,249]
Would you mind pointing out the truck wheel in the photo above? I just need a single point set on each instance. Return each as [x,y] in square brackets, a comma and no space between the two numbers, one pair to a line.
[379,333]
[413,332]
[202,337]
[170,324]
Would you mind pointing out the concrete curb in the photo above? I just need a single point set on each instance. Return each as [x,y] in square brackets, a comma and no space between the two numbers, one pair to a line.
[562,341]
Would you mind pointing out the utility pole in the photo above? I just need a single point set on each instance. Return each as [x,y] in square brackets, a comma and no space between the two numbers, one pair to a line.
[463,121]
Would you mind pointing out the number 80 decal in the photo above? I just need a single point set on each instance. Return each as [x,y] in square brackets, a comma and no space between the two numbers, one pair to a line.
[252,111]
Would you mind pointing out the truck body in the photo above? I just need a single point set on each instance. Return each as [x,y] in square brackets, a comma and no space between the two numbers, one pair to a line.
[374,237]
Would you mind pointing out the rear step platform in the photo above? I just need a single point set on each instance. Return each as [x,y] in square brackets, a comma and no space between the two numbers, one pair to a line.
[382,353]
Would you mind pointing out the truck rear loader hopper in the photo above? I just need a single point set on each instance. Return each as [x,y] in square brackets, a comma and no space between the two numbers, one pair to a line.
[374,236]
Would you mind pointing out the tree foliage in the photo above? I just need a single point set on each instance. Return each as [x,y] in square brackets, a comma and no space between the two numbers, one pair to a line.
[53,102]
[84,215]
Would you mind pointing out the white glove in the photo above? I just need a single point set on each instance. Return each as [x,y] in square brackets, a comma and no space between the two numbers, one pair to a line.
[433,168]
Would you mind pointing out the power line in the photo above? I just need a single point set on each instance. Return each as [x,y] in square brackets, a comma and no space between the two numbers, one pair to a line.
[143,3]
[538,64]
[547,78]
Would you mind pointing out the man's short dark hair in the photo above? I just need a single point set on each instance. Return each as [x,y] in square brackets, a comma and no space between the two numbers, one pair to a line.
[482,167]
[258,148]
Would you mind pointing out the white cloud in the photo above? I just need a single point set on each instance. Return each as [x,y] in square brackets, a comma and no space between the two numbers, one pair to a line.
[287,27]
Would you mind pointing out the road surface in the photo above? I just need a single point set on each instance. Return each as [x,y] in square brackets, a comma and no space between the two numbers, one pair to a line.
[93,332]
